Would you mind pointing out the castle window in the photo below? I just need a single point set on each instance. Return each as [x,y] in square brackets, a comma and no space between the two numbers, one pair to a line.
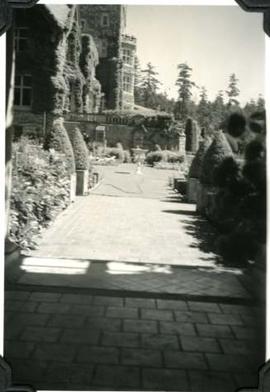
[127,82]
[21,38]
[102,47]
[105,22]
[23,91]
[127,56]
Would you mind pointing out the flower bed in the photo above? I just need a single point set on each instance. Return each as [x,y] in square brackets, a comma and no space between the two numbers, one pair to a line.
[40,190]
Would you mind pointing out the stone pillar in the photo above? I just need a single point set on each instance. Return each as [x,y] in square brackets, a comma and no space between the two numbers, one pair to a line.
[182,144]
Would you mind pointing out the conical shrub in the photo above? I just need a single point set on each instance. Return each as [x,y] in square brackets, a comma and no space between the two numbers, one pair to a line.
[57,139]
[80,149]
[196,164]
[218,150]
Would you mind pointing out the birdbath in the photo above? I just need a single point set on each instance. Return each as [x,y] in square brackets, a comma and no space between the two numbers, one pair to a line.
[139,157]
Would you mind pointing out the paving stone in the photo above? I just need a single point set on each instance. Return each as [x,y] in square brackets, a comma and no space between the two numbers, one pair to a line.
[177,327]
[12,330]
[249,320]
[150,326]
[16,295]
[238,309]
[225,319]
[112,301]
[103,323]
[93,311]
[247,380]
[70,373]
[120,339]
[200,344]
[41,334]
[15,349]
[45,297]
[211,330]
[160,341]
[84,335]
[233,346]
[165,379]
[228,362]
[204,306]
[82,299]
[66,320]
[140,302]
[28,371]
[171,304]
[55,352]
[141,357]
[156,314]
[117,376]
[30,319]
[13,305]
[244,332]
[182,360]
[122,312]
[53,308]
[211,381]
[103,355]
[191,317]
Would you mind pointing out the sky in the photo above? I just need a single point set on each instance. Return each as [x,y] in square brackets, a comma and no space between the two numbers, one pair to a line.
[215,41]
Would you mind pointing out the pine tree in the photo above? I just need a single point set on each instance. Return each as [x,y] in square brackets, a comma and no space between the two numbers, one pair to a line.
[203,112]
[185,85]
[260,103]
[150,85]
[233,91]
[218,110]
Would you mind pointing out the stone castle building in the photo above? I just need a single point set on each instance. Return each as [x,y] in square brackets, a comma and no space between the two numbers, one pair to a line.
[71,60]
[115,71]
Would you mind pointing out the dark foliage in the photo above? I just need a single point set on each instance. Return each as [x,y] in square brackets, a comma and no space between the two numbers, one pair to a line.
[80,149]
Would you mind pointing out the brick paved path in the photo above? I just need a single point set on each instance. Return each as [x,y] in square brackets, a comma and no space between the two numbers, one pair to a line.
[73,341]
[158,314]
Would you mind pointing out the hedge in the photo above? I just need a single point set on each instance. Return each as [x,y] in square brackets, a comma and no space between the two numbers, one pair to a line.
[196,164]
[58,140]
[215,154]
[80,149]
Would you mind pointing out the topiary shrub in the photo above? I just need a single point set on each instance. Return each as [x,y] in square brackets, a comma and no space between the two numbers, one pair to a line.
[118,153]
[196,164]
[154,157]
[58,140]
[173,157]
[80,149]
[236,124]
[215,154]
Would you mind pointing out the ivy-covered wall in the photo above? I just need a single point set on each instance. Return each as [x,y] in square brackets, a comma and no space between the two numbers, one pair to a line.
[108,40]
[61,62]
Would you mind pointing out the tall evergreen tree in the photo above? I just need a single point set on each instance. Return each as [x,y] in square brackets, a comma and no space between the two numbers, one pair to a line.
[260,103]
[149,86]
[233,91]
[185,85]
[218,110]
[203,112]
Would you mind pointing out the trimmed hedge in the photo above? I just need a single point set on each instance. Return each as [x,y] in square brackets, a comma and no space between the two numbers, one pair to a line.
[58,140]
[196,164]
[215,154]
[164,156]
[80,149]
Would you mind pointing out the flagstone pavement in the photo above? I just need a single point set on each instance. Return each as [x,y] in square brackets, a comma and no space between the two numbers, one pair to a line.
[125,293]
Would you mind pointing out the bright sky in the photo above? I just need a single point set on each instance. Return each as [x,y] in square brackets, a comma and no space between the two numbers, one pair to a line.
[215,41]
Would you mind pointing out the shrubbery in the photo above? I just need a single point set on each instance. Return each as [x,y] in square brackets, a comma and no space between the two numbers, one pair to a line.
[215,154]
[80,149]
[163,156]
[58,140]
[40,190]
[196,164]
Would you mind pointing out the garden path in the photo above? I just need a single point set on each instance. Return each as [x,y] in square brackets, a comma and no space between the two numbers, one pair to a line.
[142,223]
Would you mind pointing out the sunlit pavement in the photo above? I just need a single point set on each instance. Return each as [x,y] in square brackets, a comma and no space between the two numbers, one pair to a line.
[124,294]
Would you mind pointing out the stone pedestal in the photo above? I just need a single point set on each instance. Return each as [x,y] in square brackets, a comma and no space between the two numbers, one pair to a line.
[192,186]
[72,187]
[82,182]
